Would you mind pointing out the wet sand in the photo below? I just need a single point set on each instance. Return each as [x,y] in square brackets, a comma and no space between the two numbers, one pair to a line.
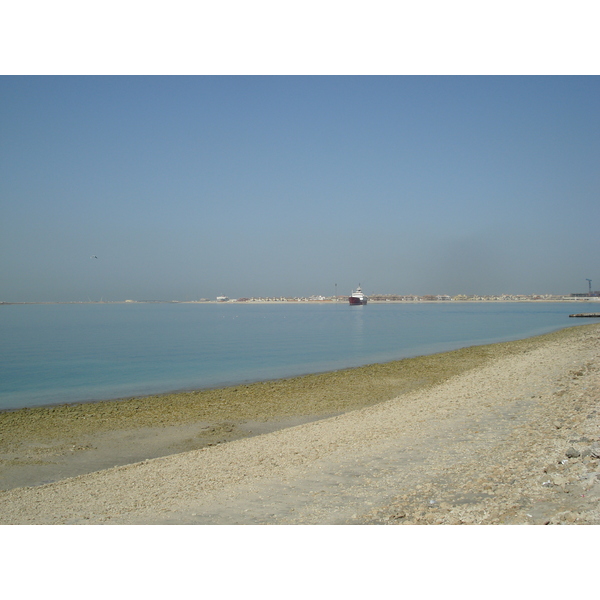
[457,437]
[45,444]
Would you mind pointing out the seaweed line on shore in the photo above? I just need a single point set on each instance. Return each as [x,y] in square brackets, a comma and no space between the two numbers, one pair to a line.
[46,444]
[317,395]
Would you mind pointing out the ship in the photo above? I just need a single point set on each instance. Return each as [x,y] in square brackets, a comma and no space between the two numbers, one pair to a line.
[357,298]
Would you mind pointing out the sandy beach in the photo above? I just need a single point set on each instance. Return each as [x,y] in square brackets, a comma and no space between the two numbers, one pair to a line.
[501,434]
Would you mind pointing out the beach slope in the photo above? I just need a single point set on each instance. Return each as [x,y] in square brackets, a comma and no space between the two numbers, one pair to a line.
[513,438]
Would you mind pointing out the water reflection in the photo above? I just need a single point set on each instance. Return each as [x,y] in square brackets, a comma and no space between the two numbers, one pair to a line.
[358,327]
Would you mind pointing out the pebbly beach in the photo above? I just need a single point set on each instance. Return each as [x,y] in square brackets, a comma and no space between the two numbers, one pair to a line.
[506,433]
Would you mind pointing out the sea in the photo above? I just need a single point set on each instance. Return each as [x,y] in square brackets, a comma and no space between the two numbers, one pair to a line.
[68,353]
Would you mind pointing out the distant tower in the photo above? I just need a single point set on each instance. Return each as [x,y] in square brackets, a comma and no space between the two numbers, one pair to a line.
[590,284]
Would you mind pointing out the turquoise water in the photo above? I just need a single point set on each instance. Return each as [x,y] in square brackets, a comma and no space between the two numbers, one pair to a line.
[61,353]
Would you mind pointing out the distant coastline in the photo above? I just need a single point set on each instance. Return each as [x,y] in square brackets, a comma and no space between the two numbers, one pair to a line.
[338,300]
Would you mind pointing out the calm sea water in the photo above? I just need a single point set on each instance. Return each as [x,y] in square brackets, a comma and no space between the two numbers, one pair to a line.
[61,353]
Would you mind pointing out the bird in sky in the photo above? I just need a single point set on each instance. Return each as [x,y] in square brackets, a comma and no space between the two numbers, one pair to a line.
[93,256]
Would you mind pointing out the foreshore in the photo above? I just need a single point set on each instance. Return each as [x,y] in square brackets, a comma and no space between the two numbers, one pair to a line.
[504,433]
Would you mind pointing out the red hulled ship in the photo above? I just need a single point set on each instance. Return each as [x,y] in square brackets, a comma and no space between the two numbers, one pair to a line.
[357,298]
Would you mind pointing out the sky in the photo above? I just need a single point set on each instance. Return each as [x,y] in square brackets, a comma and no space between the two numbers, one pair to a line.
[189,187]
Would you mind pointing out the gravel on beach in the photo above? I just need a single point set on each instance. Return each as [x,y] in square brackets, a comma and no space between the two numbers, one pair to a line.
[505,433]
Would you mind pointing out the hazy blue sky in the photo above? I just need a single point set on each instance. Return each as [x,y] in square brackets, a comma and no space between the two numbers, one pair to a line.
[190,187]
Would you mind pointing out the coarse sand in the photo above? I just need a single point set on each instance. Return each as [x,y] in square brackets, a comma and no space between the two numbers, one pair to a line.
[504,433]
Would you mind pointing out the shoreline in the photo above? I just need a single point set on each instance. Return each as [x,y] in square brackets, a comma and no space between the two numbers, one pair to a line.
[428,409]
[48,443]
[252,382]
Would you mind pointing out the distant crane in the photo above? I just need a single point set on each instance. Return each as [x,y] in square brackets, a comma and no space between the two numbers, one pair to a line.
[590,284]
